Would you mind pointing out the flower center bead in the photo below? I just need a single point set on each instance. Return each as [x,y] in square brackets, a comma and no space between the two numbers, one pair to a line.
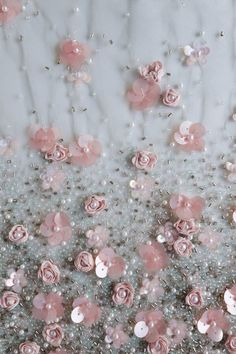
[76,50]
[28,351]
[195,299]
[4,9]
[94,204]
[53,334]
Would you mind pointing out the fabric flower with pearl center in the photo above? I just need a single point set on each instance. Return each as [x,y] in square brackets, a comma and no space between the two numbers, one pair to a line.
[187,208]
[194,298]
[85,312]
[153,256]
[171,98]
[94,204]
[152,72]
[97,237]
[143,94]
[17,280]
[18,234]
[189,136]
[29,348]
[116,336]
[230,343]
[213,323]
[52,178]
[85,151]
[160,346]
[176,331]
[48,307]
[149,325]
[109,264]
[73,53]
[56,228]
[144,160]
[53,334]
[9,10]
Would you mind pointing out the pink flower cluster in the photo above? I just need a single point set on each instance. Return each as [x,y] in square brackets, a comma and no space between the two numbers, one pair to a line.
[153,256]
[83,152]
[84,311]
[160,335]
[189,136]
[48,307]
[108,263]
[145,92]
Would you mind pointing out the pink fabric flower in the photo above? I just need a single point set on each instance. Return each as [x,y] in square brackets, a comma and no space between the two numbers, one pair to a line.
[84,311]
[213,322]
[189,137]
[52,178]
[56,228]
[230,343]
[152,288]
[7,144]
[17,280]
[210,238]
[187,208]
[168,233]
[49,272]
[108,263]
[73,53]
[160,346]
[29,348]
[231,168]
[53,334]
[116,336]
[43,139]
[143,94]
[123,294]
[171,98]
[150,325]
[193,55]
[142,188]
[230,300]
[176,331]
[186,227]
[95,204]
[183,247]
[152,72]
[85,151]
[57,153]
[9,300]
[144,160]
[18,234]
[48,307]
[97,237]
[84,262]
[154,257]
[194,298]
[9,10]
